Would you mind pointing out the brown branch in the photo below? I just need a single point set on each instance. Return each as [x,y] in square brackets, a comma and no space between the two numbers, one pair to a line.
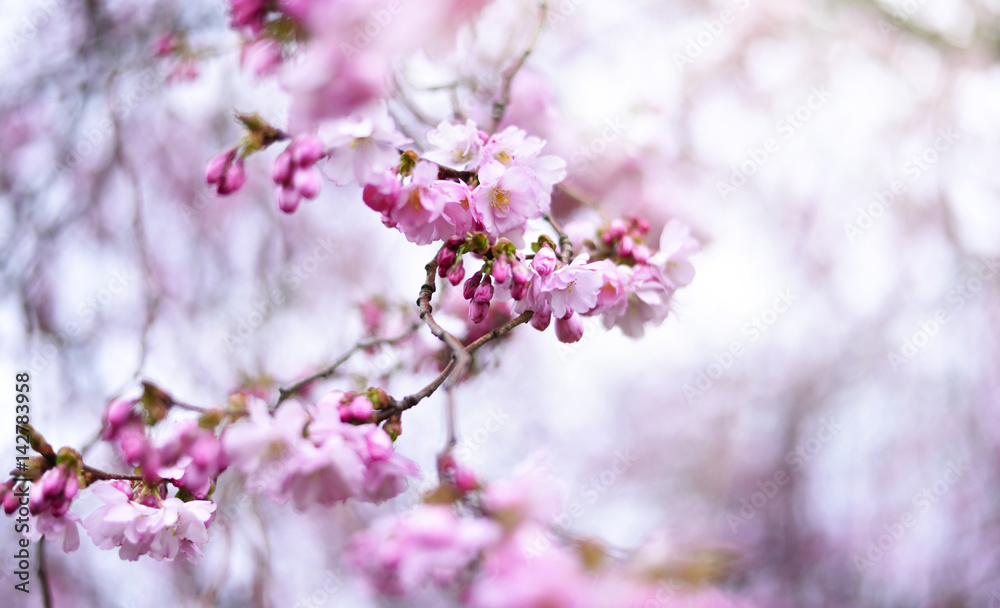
[565,246]
[43,576]
[401,405]
[286,392]
[460,354]
[104,475]
[500,106]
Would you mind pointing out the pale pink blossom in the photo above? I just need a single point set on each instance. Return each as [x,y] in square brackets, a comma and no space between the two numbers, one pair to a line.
[676,246]
[362,146]
[431,545]
[506,198]
[457,146]
[160,528]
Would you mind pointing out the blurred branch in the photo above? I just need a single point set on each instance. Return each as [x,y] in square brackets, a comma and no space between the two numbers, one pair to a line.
[286,392]
[500,106]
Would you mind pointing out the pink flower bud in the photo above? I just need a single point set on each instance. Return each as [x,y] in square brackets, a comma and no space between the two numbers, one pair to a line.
[617,229]
[282,170]
[361,408]
[469,289]
[456,273]
[261,57]
[569,329]
[306,150]
[484,293]
[10,501]
[379,444]
[216,167]
[540,320]
[624,247]
[501,269]
[641,254]
[465,479]
[545,261]
[118,412]
[72,486]
[288,199]
[478,311]
[308,182]
[446,257]
[234,178]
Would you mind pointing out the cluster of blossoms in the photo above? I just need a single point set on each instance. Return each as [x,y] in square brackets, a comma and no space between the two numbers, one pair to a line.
[324,454]
[477,193]
[488,546]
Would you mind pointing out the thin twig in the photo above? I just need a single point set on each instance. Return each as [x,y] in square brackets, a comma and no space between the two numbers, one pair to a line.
[99,474]
[286,392]
[401,405]
[500,106]
[565,246]
[43,576]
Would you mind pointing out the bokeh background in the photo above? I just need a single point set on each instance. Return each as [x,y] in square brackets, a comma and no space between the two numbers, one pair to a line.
[822,404]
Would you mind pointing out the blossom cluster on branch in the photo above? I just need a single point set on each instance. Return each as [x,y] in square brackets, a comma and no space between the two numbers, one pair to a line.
[482,193]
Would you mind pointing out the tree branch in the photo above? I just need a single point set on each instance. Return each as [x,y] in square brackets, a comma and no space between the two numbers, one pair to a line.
[286,392]
[500,106]
[401,405]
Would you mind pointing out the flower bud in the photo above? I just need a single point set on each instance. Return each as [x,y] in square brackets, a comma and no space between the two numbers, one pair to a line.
[446,257]
[216,167]
[288,199]
[282,170]
[478,311]
[544,262]
[540,320]
[308,182]
[306,150]
[617,229]
[484,293]
[456,273]
[624,247]
[471,284]
[501,269]
[569,329]
[641,254]
[234,178]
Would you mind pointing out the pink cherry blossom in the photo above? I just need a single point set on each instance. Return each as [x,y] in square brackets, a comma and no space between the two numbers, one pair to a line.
[676,246]
[261,57]
[506,198]
[432,545]
[362,146]
[163,530]
[456,146]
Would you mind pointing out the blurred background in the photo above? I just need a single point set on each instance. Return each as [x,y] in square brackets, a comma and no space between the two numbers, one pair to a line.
[822,403]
